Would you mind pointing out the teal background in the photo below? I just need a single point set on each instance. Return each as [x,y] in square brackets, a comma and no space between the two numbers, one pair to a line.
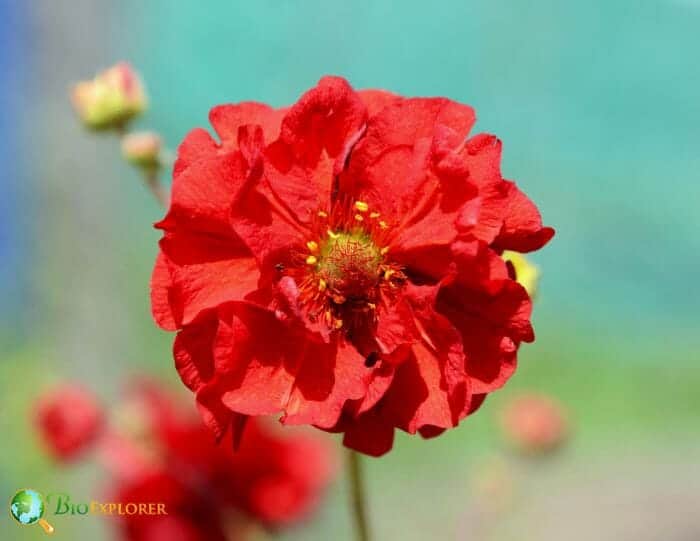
[598,107]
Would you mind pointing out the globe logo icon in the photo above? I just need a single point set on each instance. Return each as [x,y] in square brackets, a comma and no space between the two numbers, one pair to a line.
[27,508]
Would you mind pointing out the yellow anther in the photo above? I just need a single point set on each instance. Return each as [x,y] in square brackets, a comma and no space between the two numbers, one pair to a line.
[374,215]
[338,323]
[339,299]
[372,306]
[361,206]
[389,273]
[312,246]
[359,217]
[332,235]
[382,224]
[311,260]
[384,250]
[322,285]
[327,316]
[322,214]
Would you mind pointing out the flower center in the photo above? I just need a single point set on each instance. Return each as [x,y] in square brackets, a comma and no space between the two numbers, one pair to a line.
[349,264]
[345,274]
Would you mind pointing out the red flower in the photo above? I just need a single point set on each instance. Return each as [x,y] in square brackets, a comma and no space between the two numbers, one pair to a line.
[339,261]
[535,424]
[191,515]
[271,479]
[69,420]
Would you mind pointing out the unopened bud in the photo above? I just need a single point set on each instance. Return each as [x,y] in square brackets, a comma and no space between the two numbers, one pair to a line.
[111,99]
[142,149]
[535,424]
[527,274]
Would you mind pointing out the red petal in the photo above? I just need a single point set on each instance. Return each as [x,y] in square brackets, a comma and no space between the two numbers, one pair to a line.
[316,136]
[370,434]
[328,376]
[376,100]
[197,145]
[522,225]
[483,216]
[265,226]
[395,326]
[255,375]
[388,167]
[492,322]
[194,360]
[203,272]
[202,195]
[194,355]
[227,119]
[161,302]
[396,169]
[310,381]
[435,376]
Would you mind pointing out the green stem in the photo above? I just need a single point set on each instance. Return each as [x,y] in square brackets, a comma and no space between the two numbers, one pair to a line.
[153,183]
[357,494]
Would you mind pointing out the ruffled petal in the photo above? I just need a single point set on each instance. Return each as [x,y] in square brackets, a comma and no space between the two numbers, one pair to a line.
[399,169]
[316,137]
[388,166]
[492,321]
[434,375]
[161,301]
[198,145]
[309,381]
[375,100]
[371,434]
[256,376]
[228,118]
[202,273]
[522,229]
[328,376]
[202,195]
[194,359]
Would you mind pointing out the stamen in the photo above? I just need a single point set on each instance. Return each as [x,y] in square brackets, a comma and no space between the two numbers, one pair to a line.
[384,250]
[389,273]
[322,285]
[358,217]
[312,246]
[322,214]
[311,260]
[382,224]
[361,206]
[374,215]
[338,323]
[332,235]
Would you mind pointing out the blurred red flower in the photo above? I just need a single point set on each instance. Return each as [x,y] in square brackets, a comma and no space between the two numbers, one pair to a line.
[339,261]
[271,478]
[535,424]
[192,515]
[69,420]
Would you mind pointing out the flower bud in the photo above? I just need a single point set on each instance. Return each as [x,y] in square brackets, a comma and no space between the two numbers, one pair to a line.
[69,420]
[142,149]
[523,271]
[111,99]
[535,424]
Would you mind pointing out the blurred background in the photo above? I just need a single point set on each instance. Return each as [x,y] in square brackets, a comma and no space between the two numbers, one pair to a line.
[598,107]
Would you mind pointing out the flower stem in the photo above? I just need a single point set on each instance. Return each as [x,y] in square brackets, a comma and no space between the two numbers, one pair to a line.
[157,189]
[359,502]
